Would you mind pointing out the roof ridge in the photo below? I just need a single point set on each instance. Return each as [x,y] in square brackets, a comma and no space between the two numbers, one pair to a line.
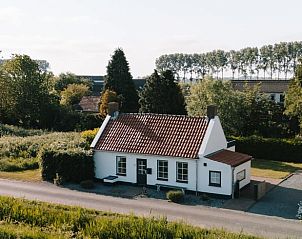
[169,115]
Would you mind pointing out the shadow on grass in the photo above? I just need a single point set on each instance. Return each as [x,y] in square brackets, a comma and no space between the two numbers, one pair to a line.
[274,165]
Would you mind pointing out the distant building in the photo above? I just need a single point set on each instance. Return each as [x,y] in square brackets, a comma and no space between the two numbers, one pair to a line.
[99,81]
[274,88]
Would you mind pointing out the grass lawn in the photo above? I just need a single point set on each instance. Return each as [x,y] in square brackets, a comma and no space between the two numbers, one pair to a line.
[27,175]
[273,169]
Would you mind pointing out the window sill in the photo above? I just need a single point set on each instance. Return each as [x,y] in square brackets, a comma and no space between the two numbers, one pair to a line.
[215,185]
[162,179]
[121,174]
[178,181]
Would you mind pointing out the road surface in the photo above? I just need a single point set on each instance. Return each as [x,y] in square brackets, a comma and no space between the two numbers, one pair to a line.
[271,227]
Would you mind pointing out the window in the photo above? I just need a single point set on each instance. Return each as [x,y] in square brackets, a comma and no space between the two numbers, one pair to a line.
[282,97]
[215,178]
[273,97]
[162,170]
[121,165]
[182,172]
[240,175]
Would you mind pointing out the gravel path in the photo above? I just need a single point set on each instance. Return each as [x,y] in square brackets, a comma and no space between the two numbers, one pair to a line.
[282,201]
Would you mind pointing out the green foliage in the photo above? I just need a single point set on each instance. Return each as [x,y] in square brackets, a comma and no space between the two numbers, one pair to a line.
[162,95]
[284,150]
[73,222]
[21,153]
[293,97]
[69,78]
[71,165]
[241,113]
[9,130]
[89,135]
[107,97]
[175,195]
[250,61]
[25,98]
[73,94]
[119,80]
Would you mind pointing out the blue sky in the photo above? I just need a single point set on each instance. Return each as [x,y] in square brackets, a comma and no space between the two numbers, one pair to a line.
[80,35]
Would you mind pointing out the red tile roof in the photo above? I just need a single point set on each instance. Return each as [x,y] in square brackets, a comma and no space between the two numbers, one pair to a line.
[166,135]
[229,157]
[90,103]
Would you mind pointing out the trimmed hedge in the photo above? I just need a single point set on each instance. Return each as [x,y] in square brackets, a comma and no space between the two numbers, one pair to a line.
[71,165]
[284,150]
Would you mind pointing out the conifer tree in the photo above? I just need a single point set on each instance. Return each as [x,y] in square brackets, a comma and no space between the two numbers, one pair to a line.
[120,80]
[162,95]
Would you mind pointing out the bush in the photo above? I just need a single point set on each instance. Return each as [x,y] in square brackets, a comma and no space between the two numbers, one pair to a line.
[87,184]
[89,135]
[72,165]
[285,150]
[9,130]
[175,195]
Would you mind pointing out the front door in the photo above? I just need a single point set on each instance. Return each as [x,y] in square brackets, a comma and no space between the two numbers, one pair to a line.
[141,171]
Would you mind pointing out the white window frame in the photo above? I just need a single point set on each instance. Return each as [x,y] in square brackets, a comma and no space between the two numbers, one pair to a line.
[162,170]
[121,165]
[184,175]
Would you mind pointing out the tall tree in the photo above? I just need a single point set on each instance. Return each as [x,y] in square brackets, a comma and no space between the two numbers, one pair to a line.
[120,80]
[293,96]
[73,94]
[25,98]
[162,95]
[107,97]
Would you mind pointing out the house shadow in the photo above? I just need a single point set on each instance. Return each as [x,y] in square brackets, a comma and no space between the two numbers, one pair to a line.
[137,192]
[281,201]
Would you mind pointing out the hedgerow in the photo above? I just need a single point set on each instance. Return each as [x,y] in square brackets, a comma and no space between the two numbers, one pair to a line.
[285,150]
[21,153]
[9,130]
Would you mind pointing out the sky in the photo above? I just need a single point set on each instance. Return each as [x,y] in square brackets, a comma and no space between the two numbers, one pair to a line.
[80,36]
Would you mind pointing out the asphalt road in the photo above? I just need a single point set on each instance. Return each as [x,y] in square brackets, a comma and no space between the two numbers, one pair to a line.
[272,227]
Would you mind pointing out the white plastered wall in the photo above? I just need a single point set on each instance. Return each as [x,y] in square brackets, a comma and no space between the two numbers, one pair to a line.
[247,167]
[105,165]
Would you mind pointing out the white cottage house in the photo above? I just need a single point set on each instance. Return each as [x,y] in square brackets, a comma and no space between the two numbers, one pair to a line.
[173,151]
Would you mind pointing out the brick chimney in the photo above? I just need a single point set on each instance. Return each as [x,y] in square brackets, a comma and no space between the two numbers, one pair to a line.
[211,111]
[113,109]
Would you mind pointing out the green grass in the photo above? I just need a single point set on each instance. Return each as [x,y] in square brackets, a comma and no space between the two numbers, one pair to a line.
[50,220]
[273,169]
[27,175]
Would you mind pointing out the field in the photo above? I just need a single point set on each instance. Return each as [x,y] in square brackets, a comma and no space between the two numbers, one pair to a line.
[273,169]
[29,219]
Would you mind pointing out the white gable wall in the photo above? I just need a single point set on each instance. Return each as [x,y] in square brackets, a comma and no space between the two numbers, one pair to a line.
[214,138]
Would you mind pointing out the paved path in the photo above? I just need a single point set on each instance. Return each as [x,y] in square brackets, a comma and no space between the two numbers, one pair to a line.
[282,200]
[272,227]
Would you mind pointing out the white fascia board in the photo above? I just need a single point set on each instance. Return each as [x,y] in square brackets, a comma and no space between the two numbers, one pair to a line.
[206,137]
[98,135]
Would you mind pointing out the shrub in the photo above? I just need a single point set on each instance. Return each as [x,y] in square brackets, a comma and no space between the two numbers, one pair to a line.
[73,165]
[9,130]
[89,135]
[175,195]
[87,184]
[285,150]
[299,213]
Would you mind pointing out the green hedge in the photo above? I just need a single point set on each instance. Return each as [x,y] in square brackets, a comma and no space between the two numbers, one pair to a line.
[285,150]
[71,165]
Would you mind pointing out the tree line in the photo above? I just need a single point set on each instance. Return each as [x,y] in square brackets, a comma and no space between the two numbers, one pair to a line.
[268,61]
